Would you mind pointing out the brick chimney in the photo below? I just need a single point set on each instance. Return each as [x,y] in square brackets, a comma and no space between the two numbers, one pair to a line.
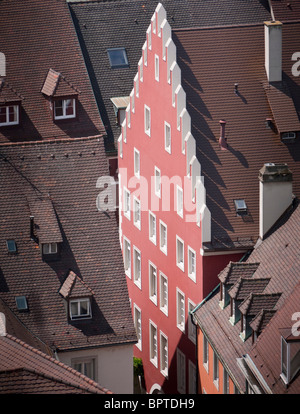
[275,194]
[273,50]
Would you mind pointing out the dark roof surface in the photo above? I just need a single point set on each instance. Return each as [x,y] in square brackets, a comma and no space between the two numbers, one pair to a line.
[25,370]
[212,60]
[278,256]
[35,39]
[66,172]
[286,10]
[102,25]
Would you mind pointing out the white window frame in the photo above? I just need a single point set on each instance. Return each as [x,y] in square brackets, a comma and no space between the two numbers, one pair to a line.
[179,263]
[179,201]
[64,106]
[152,227]
[156,67]
[163,247]
[78,315]
[164,354]
[181,371]
[191,266]
[205,353]
[137,163]
[49,248]
[180,310]
[147,120]
[153,343]
[167,134]
[16,115]
[152,282]
[157,182]
[84,361]
[127,259]
[163,293]
[137,212]
[192,331]
[126,197]
[137,268]
[216,371]
[137,318]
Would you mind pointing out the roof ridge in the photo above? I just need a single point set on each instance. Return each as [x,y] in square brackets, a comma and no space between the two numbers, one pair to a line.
[225,26]
[49,141]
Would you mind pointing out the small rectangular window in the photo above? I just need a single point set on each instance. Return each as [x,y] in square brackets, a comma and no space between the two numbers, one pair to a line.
[191,327]
[163,237]
[64,108]
[152,227]
[163,354]
[117,57]
[157,179]
[163,286]
[179,198]
[153,344]
[180,310]
[147,121]
[180,253]
[136,163]
[181,382]
[225,382]
[205,352]
[192,263]
[156,68]
[240,206]
[216,371]
[137,213]
[153,283]
[9,115]
[127,257]
[11,246]
[86,366]
[80,308]
[192,378]
[21,303]
[50,248]
[138,325]
[168,137]
[126,203]
[137,267]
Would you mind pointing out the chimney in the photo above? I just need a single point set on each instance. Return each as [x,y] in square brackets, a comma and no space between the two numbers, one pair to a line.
[273,50]
[2,65]
[275,194]
[222,139]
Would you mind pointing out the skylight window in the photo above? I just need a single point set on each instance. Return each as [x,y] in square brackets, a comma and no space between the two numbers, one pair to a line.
[11,246]
[117,57]
[21,302]
[240,206]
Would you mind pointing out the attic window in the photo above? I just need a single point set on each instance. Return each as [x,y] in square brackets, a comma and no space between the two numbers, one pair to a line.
[21,302]
[9,115]
[64,108]
[49,248]
[288,136]
[11,246]
[80,308]
[240,206]
[117,57]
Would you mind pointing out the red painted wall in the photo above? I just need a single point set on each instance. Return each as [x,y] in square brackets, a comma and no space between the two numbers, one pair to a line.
[157,95]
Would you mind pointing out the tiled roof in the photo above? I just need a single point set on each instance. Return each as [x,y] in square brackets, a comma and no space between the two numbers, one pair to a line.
[35,39]
[65,172]
[73,286]
[212,60]
[98,22]
[256,302]
[286,10]
[243,287]
[233,271]
[8,93]
[56,85]
[25,370]
[278,258]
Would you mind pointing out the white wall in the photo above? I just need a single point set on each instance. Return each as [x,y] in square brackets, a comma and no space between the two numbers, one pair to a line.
[114,366]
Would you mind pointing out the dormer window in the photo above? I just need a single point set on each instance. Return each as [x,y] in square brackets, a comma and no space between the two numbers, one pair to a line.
[9,115]
[240,206]
[80,308]
[49,248]
[64,108]
[288,137]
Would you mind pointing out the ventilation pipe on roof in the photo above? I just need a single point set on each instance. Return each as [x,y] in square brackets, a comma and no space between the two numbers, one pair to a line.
[273,51]
[222,139]
[275,194]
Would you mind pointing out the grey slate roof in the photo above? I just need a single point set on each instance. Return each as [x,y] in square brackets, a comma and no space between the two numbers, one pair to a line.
[101,25]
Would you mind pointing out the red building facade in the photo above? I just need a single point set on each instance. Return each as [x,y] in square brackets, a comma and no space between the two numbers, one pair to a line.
[164,219]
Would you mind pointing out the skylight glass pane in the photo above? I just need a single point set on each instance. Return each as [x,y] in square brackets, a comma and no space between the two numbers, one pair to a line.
[11,246]
[117,57]
[21,303]
[240,205]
